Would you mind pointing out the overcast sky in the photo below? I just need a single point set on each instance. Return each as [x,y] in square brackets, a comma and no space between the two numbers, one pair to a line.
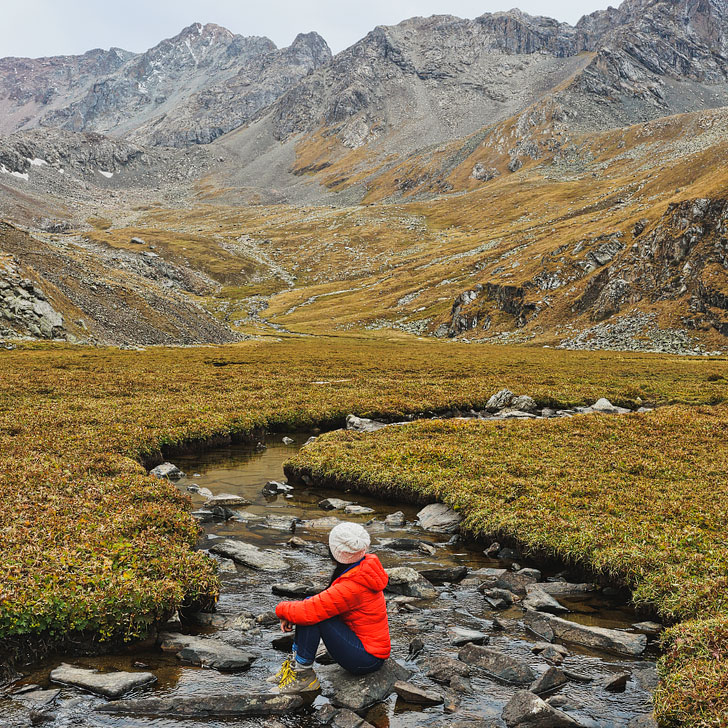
[55,27]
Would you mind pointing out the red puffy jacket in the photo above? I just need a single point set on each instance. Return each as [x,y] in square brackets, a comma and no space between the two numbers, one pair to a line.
[356,597]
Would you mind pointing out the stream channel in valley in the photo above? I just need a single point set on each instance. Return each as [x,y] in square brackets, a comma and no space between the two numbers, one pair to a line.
[475,700]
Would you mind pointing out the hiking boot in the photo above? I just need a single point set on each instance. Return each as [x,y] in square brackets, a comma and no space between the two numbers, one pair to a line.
[293,678]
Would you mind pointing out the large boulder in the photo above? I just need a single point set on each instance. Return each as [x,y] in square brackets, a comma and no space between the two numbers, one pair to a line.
[358,692]
[499,665]
[526,710]
[230,705]
[407,582]
[600,638]
[500,400]
[439,518]
[206,652]
[249,555]
[108,684]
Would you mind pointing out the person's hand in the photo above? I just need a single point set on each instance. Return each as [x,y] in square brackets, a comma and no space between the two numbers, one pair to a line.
[286,626]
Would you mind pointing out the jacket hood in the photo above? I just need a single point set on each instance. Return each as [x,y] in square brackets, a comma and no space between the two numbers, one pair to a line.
[370,573]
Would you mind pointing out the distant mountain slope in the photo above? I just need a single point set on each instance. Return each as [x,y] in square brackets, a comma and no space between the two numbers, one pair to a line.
[427,82]
[187,89]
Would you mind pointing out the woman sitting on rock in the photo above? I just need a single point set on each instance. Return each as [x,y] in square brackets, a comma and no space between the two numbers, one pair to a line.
[350,616]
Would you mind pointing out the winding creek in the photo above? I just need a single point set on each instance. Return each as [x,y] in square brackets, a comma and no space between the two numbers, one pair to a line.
[247,593]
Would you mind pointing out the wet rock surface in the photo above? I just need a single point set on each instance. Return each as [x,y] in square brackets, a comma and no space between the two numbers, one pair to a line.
[111,684]
[602,689]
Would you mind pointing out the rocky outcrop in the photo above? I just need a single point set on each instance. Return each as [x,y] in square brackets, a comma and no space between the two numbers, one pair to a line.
[24,307]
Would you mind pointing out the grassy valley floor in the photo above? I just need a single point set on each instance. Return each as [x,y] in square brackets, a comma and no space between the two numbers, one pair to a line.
[92,545]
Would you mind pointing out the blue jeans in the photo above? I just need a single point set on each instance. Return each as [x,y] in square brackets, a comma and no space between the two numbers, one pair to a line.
[341,642]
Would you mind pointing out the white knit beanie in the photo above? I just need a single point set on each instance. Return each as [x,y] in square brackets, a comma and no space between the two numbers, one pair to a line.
[348,542]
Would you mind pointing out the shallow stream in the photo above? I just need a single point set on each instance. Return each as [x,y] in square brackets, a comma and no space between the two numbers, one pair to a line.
[244,470]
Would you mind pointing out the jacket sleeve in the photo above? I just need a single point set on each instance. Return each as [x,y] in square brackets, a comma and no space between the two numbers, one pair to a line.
[335,600]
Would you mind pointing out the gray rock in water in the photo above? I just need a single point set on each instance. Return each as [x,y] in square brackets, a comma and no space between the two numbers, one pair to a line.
[446,574]
[499,665]
[408,544]
[581,634]
[616,683]
[406,581]
[362,424]
[439,518]
[460,636]
[565,588]
[357,692]
[526,710]
[236,705]
[108,684]
[650,628]
[207,652]
[540,601]
[416,696]
[288,441]
[334,504]
[249,555]
[551,680]
[514,582]
[340,718]
[226,499]
[167,470]
[395,520]
[273,487]
[321,524]
[500,400]
[36,699]
[441,669]
[295,589]
[355,510]
[280,523]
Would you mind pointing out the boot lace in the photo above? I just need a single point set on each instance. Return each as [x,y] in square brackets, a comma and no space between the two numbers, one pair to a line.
[286,675]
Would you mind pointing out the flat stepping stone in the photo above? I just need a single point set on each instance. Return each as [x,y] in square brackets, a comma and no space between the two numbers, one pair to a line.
[355,510]
[417,696]
[108,684]
[226,499]
[504,667]
[294,589]
[206,652]
[600,638]
[460,636]
[249,555]
[358,692]
[239,705]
